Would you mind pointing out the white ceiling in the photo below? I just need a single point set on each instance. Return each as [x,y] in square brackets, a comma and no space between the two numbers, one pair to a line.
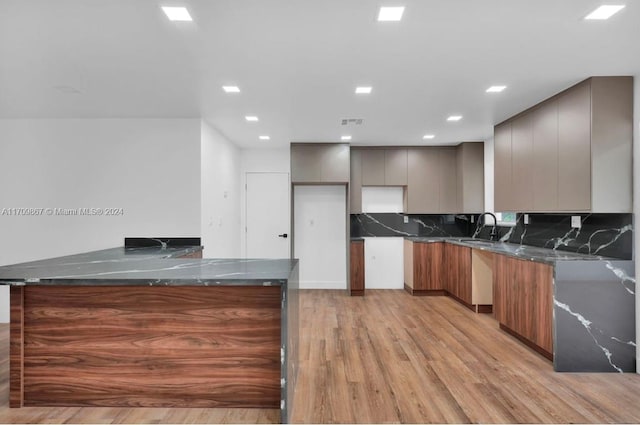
[298,62]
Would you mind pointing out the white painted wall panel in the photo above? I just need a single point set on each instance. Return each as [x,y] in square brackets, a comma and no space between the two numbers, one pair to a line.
[320,236]
[378,199]
[383,263]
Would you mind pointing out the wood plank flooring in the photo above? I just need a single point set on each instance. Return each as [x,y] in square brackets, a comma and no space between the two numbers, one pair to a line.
[391,357]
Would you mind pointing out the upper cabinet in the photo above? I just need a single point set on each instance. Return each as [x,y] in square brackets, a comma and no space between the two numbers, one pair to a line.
[572,152]
[320,163]
[384,167]
[470,177]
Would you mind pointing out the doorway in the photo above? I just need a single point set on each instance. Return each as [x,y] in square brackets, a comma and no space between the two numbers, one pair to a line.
[268,213]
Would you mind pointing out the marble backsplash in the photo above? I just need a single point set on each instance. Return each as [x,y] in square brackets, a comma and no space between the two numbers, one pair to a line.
[609,235]
[392,224]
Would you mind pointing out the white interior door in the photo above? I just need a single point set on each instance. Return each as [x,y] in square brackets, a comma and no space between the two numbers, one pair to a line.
[268,215]
[320,236]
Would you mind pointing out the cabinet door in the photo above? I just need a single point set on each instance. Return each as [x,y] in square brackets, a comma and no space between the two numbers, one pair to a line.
[502,167]
[335,163]
[428,266]
[522,163]
[448,193]
[355,184]
[395,167]
[373,167]
[574,153]
[470,172]
[523,299]
[306,163]
[545,157]
[423,181]
[356,269]
[408,263]
[458,272]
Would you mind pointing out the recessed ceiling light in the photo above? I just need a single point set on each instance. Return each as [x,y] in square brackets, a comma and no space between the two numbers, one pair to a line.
[428,136]
[177,13]
[496,89]
[345,138]
[231,89]
[454,118]
[387,14]
[604,12]
[251,118]
[363,90]
[264,137]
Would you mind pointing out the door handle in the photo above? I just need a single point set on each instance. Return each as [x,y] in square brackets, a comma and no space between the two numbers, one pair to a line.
[284,235]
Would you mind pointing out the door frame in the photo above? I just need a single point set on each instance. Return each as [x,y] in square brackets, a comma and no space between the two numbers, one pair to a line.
[246,207]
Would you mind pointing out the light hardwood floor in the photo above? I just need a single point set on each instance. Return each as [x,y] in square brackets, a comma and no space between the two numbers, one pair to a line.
[391,357]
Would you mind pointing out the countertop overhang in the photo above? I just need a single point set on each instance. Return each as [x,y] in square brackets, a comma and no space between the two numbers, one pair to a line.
[147,266]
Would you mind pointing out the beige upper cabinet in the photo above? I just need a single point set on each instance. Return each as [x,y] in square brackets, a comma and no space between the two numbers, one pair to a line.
[572,152]
[320,163]
[423,189]
[545,157]
[574,148]
[502,182]
[384,167]
[470,177]
[395,167]
[355,184]
[373,162]
[448,193]
[521,162]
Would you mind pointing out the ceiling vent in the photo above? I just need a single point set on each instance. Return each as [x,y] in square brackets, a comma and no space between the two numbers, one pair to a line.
[350,121]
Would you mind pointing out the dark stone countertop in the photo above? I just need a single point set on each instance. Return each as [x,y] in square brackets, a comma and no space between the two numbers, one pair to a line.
[523,252]
[147,266]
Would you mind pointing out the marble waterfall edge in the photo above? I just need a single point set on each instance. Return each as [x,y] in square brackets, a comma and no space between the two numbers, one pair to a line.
[594,316]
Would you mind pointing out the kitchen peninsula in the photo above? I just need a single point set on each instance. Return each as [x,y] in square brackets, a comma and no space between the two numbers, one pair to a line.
[153,326]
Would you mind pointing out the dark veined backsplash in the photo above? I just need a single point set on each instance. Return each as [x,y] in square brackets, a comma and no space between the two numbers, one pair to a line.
[609,235]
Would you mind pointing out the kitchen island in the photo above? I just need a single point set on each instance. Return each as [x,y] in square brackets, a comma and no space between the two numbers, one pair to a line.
[145,327]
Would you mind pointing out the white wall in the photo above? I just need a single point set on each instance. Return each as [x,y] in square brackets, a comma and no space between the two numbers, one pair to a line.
[377,199]
[148,167]
[221,194]
[259,161]
[320,236]
[636,202]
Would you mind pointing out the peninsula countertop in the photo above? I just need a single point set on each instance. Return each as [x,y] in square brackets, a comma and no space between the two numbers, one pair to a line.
[147,266]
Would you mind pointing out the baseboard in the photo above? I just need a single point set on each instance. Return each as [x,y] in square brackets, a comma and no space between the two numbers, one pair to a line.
[526,342]
[425,292]
[323,285]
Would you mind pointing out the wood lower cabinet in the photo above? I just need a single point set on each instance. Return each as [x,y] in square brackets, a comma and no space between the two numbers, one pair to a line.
[356,268]
[423,268]
[523,301]
[458,273]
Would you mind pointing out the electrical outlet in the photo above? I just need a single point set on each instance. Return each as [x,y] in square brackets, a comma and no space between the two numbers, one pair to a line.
[576,222]
[406,219]
[471,219]
[526,219]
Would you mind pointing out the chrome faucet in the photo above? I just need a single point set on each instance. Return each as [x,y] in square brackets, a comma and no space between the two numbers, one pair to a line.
[494,230]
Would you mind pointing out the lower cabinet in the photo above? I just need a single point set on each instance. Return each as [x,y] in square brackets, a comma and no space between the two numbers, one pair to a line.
[356,268]
[423,268]
[523,301]
[458,273]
